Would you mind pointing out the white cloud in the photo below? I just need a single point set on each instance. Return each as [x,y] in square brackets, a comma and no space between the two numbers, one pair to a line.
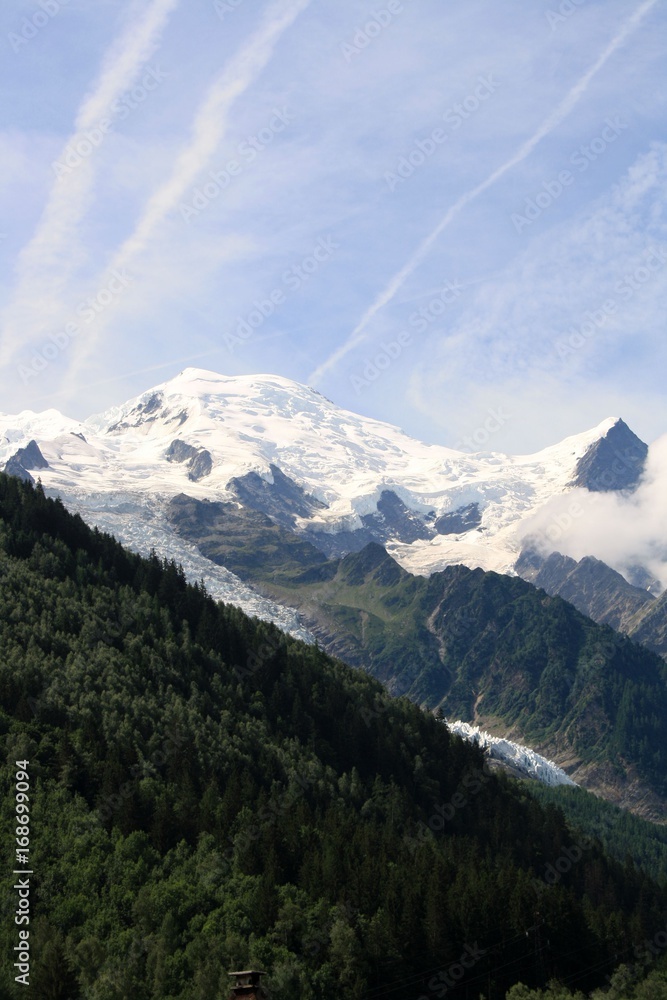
[54,252]
[551,122]
[567,327]
[326,175]
[624,531]
[208,129]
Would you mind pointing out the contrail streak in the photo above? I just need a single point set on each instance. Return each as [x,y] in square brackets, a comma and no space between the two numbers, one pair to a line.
[208,129]
[571,99]
[53,254]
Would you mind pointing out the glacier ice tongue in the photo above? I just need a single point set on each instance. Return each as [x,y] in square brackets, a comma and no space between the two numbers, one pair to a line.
[523,759]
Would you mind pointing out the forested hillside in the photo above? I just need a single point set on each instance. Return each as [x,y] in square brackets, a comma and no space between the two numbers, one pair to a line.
[621,833]
[208,794]
[485,647]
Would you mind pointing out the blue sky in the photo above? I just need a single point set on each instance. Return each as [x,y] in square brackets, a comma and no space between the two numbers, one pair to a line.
[447,216]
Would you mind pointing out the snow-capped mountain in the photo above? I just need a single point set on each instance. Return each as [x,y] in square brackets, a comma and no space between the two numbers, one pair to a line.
[282,448]
[206,457]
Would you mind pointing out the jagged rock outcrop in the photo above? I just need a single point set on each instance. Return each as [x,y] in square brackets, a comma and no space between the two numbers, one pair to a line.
[26,459]
[615,462]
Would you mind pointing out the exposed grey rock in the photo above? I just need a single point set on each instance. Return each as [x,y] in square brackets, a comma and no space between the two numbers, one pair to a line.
[283,499]
[335,544]
[31,457]
[14,468]
[180,451]
[199,460]
[394,520]
[24,459]
[591,585]
[649,625]
[603,594]
[200,465]
[640,577]
[250,540]
[143,413]
[457,521]
[152,405]
[615,462]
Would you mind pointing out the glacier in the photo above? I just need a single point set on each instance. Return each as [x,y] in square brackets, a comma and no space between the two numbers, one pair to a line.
[247,423]
[523,759]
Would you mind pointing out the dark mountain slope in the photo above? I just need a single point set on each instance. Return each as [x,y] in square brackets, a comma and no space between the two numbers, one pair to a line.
[604,595]
[622,834]
[206,792]
[649,625]
[615,462]
[481,646]
[593,587]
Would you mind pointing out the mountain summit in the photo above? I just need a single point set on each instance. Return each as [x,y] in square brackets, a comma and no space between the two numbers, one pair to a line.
[614,462]
[284,450]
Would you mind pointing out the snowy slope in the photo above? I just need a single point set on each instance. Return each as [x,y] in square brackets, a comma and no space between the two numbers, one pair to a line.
[247,423]
[521,758]
[141,526]
[120,468]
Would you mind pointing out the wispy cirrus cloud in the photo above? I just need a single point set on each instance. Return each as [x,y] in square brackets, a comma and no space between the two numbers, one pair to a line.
[54,253]
[208,129]
[325,176]
[567,326]
[551,122]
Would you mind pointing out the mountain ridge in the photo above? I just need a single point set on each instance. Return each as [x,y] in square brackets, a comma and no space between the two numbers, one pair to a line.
[211,794]
[339,478]
[601,593]
[488,649]
[272,485]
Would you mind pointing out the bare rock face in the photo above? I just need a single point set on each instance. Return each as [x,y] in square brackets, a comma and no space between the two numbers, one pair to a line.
[604,595]
[615,462]
[591,585]
[25,459]
[464,519]
[283,499]
[14,468]
[198,460]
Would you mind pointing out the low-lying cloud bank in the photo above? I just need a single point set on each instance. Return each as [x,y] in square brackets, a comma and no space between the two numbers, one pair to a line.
[624,530]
